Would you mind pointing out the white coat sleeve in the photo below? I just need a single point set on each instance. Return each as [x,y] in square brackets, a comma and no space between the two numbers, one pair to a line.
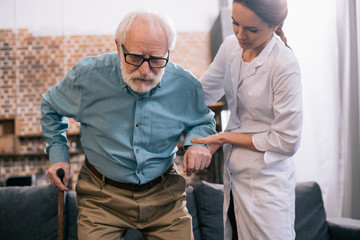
[282,140]
[213,79]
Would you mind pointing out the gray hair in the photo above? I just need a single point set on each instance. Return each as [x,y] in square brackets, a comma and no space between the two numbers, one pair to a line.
[153,19]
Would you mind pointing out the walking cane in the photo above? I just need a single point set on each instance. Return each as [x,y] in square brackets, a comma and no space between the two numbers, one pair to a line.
[60,220]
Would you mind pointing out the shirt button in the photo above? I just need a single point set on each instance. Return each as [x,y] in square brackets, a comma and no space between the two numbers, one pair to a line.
[137,150]
[138,171]
[138,124]
[139,98]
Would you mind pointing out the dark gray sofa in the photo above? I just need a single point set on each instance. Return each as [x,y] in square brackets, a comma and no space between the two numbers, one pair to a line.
[31,213]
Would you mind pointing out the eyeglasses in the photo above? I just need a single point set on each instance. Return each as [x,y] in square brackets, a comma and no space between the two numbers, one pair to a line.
[138,60]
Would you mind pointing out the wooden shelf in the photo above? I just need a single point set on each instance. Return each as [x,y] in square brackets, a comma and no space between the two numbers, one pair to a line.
[39,154]
[41,136]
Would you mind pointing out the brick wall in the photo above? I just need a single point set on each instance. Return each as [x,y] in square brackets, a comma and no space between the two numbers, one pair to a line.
[30,65]
[7,74]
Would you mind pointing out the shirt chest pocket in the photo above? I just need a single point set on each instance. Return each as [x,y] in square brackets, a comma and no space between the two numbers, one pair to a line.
[256,95]
[164,135]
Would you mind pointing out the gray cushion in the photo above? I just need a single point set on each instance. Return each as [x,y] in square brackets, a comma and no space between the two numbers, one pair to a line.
[209,198]
[133,234]
[30,212]
[191,206]
[310,220]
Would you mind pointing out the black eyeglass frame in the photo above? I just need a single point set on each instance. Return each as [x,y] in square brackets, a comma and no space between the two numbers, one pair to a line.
[143,58]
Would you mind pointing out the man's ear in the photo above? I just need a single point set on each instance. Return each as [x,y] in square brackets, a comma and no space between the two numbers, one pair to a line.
[118,48]
[117,44]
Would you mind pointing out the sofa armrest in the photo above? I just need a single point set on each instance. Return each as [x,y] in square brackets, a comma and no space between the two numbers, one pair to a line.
[310,218]
[343,228]
[70,214]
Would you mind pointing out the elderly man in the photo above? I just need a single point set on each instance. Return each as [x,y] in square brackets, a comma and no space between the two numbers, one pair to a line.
[133,107]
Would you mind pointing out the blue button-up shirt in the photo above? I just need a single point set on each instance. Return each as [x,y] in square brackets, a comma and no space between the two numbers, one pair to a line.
[128,137]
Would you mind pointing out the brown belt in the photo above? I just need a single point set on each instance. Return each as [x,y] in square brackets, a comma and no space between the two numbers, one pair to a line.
[127,186]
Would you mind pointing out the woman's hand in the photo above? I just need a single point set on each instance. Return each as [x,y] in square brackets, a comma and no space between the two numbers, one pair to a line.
[213,142]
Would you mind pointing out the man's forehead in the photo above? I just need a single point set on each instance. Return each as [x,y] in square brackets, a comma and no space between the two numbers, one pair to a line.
[143,39]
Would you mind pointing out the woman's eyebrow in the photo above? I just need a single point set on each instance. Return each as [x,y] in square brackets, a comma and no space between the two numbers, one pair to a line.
[247,27]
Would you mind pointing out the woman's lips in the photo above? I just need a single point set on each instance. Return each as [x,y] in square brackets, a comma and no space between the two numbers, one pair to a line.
[244,43]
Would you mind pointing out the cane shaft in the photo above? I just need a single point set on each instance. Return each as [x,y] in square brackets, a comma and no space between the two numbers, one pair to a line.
[60,220]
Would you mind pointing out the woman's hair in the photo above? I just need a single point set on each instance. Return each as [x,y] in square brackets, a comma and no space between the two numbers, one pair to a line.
[272,12]
[152,19]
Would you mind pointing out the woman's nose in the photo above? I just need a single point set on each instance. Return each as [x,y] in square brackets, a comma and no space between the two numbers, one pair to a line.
[240,33]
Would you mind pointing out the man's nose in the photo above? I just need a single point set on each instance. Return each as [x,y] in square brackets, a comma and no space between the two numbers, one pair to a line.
[145,68]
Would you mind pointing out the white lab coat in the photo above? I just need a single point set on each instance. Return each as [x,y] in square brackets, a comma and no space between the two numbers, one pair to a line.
[264,98]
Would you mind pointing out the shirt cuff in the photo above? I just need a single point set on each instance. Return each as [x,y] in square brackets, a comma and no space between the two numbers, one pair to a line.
[261,145]
[190,136]
[59,154]
[258,141]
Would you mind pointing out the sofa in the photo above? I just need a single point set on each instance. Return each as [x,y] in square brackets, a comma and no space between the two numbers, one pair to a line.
[31,213]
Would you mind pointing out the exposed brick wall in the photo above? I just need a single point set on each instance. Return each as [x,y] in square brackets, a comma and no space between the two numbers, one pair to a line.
[39,65]
[192,52]
[30,65]
[7,74]
[79,47]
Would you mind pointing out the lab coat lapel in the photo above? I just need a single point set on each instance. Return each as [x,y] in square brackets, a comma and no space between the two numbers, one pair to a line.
[259,60]
[235,81]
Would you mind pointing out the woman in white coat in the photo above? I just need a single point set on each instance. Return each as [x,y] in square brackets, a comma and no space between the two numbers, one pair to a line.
[260,77]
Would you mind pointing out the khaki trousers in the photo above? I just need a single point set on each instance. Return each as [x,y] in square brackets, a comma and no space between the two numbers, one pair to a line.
[106,212]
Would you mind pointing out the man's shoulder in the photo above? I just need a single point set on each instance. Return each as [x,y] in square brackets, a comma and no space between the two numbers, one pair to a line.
[174,70]
[93,63]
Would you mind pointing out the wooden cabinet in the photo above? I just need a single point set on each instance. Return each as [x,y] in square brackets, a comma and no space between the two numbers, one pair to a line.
[8,141]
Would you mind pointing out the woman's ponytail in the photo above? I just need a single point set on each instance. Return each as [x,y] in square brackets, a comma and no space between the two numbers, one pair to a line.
[281,34]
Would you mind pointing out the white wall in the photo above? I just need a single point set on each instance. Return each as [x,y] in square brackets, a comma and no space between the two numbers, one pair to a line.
[78,17]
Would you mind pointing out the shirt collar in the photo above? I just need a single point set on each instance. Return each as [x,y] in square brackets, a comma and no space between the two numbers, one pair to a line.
[142,95]
[260,59]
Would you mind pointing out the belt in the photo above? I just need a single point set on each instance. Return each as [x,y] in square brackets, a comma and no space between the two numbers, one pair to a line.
[127,186]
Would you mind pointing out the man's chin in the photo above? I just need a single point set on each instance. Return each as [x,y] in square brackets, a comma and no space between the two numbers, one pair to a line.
[141,87]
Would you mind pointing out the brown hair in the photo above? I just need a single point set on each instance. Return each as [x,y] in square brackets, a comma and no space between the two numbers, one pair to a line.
[272,12]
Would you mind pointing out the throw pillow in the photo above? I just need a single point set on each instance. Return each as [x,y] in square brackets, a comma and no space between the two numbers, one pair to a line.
[209,201]
[191,206]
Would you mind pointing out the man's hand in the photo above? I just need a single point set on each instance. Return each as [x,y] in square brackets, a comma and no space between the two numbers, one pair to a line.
[196,158]
[53,177]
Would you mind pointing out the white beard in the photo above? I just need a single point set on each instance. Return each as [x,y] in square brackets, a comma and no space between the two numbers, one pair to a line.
[140,83]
